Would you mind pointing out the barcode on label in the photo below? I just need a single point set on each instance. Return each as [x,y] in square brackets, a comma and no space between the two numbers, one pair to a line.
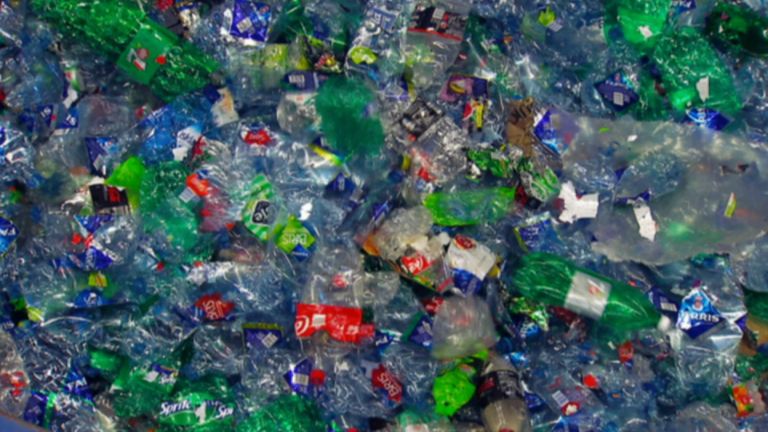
[559,398]
[318,320]
[555,26]
[244,25]
[268,340]
[301,379]
[439,12]
[667,306]
[618,98]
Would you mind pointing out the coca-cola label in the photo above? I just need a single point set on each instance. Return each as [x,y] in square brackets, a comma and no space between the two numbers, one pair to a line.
[342,323]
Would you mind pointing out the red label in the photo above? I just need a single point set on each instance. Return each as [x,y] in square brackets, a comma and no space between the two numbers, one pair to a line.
[342,323]
[464,242]
[260,137]
[415,264]
[200,185]
[433,304]
[626,352]
[214,307]
[382,378]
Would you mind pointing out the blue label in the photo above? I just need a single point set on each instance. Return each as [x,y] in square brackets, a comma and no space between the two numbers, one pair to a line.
[618,91]
[546,132]
[533,237]
[341,186]
[663,303]
[303,80]
[250,20]
[466,282]
[534,401]
[90,298]
[706,117]
[36,411]
[98,148]
[422,332]
[299,378]
[70,121]
[383,339]
[91,259]
[94,222]
[8,234]
[262,335]
[46,114]
[697,314]
[77,385]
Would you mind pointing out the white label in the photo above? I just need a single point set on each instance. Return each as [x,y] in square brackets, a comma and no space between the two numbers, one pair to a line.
[588,295]
[478,260]
[185,140]
[645,220]
[703,88]
[575,208]
[618,98]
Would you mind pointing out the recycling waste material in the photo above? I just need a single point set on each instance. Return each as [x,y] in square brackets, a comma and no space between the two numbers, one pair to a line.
[384,215]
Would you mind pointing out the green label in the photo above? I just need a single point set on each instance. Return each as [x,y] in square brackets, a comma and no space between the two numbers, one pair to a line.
[293,235]
[147,52]
[259,213]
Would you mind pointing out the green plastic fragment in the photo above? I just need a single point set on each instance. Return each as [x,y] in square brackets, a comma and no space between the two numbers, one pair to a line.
[345,116]
[470,207]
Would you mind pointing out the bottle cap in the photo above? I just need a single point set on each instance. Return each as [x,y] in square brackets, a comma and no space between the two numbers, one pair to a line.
[665,324]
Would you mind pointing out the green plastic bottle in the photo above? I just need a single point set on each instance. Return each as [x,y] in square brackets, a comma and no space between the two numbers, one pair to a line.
[693,75]
[640,21]
[288,413]
[553,280]
[738,27]
[145,51]
[470,207]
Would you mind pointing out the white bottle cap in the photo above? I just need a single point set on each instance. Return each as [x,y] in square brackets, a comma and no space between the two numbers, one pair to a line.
[665,324]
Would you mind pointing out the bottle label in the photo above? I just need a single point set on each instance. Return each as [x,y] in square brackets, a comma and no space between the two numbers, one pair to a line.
[147,52]
[588,295]
[299,378]
[250,20]
[98,148]
[499,385]
[385,382]
[618,91]
[697,314]
[261,335]
[466,254]
[342,323]
[109,200]
[422,332]
[8,234]
[213,307]
[437,21]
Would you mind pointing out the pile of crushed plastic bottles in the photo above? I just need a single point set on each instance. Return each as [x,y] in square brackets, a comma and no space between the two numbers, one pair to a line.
[384,215]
